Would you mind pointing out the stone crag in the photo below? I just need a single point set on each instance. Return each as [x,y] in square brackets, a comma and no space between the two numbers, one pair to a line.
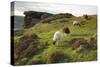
[33,17]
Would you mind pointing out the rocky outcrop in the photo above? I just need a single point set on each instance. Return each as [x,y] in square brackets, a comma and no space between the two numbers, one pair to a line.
[57,16]
[33,17]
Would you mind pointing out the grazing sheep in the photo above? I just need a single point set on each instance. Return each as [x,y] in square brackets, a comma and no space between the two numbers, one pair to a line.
[77,23]
[58,35]
[86,16]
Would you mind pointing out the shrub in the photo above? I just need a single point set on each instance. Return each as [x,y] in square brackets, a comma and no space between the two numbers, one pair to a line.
[74,40]
[55,57]
[77,42]
[27,44]
[93,43]
[25,41]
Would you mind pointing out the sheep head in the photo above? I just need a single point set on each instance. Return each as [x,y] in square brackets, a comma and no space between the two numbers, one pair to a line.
[66,30]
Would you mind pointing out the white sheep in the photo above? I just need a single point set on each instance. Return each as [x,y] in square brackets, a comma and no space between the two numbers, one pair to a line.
[58,35]
[77,23]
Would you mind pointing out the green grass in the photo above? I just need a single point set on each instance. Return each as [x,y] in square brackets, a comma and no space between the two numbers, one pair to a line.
[45,32]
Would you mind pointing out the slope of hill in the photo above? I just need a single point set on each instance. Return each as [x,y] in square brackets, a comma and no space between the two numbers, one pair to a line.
[35,46]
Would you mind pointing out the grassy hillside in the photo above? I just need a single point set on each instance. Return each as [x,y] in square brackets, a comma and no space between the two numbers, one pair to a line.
[35,46]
